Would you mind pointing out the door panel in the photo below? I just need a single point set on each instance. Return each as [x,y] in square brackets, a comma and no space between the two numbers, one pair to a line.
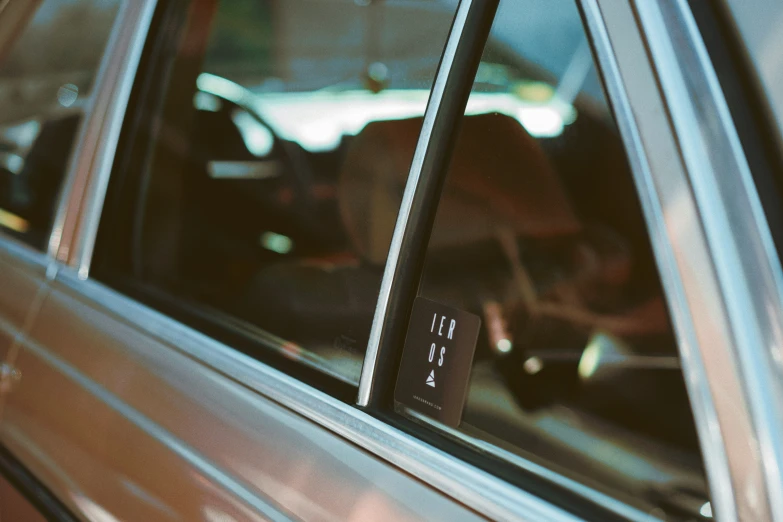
[115,412]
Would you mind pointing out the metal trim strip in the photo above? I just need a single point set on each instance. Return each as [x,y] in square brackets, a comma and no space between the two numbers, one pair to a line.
[695,374]
[83,145]
[23,252]
[83,208]
[738,236]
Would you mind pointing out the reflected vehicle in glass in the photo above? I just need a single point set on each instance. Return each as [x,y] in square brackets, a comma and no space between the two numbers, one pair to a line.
[390,260]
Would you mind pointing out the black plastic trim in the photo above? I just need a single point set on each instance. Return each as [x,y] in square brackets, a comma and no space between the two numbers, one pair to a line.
[413,249]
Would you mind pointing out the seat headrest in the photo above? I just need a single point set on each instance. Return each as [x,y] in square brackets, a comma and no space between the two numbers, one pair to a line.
[499,178]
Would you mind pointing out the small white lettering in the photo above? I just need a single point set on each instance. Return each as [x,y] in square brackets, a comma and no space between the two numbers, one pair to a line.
[428,403]
[451,328]
[440,330]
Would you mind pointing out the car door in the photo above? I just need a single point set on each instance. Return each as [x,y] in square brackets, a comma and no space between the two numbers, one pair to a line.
[274,231]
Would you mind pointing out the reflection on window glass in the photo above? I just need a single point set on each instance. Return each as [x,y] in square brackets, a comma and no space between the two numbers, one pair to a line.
[539,232]
[46,71]
[254,190]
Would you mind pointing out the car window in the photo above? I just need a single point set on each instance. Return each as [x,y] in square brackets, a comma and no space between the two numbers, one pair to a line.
[245,204]
[48,64]
[541,255]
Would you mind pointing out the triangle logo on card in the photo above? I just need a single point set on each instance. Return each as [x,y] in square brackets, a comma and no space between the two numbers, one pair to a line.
[431,378]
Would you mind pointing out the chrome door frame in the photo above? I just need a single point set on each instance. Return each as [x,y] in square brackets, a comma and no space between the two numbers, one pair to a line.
[746,262]
[715,250]
[76,222]
[746,265]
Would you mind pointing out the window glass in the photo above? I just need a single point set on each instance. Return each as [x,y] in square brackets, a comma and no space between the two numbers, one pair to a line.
[247,204]
[539,233]
[47,67]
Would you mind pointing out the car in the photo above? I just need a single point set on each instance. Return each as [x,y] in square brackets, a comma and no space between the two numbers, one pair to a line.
[391,260]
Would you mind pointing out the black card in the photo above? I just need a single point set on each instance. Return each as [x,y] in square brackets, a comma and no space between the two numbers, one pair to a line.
[436,361]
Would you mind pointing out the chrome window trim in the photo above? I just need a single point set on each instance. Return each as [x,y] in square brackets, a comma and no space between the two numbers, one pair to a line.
[475,488]
[540,471]
[74,161]
[74,238]
[371,357]
[89,130]
[728,269]
[694,372]
[23,252]
[746,264]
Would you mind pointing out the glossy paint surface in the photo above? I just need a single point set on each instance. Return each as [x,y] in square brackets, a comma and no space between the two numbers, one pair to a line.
[22,276]
[119,421]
